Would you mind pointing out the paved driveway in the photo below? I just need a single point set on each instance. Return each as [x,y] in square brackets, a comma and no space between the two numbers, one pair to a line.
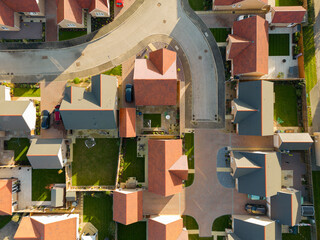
[51,21]
[206,199]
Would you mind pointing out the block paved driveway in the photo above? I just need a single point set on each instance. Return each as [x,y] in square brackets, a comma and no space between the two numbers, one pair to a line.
[206,199]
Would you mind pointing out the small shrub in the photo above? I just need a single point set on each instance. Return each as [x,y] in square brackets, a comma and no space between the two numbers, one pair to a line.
[178,69]
[280,75]
[145,56]
[76,80]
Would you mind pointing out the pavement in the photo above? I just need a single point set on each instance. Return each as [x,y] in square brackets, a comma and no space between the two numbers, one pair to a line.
[8,231]
[215,200]
[165,18]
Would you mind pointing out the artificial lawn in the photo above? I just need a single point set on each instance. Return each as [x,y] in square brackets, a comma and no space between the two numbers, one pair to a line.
[190,180]
[116,71]
[4,220]
[279,45]
[310,68]
[220,34]
[96,165]
[133,165]
[66,35]
[20,147]
[285,106]
[135,231]
[316,198]
[26,92]
[189,222]
[221,223]
[287,3]
[41,181]
[97,209]
[189,149]
[155,119]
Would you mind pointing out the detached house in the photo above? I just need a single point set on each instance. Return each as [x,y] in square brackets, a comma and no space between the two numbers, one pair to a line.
[16,115]
[70,13]
[48,227]
[234,5]
[155,79]
[253,108]
[257,173]
[47,153]
[11,10]
[254,228]
[248,47]
[167,167]
[95,109]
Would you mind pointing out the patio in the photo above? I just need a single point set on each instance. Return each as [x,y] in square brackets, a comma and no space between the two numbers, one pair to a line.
[147,122]
[283,64]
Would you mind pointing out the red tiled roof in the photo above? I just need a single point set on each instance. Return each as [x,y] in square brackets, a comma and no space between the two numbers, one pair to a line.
[162,155]
[101,5]
[255,57]
[84,3]
[180,168]
[163,228]
[290,14]
[163,59]
[127,119]
[155,79]
[5,197]
[238,45]
[69,10]
[226,2]
[127,206]
[6,15]
[61,229]
[22,5]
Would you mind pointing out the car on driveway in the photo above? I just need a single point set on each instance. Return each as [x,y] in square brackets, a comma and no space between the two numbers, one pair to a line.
[256,209]
[57,115]
[119,3]
[129,93]
[45,119]
[241,17]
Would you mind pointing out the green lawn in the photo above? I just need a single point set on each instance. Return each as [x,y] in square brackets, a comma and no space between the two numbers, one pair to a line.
[20,147]
[285,106]
[190,180]
[309,58]
[116,71]
[220,34]
[135,231]
[4,220]
[66,35]
[221,223]
[316,196]
[97,209]
[26,92]
[279,45]
[189,222]
[196,237]
[41,181]
[288,3]
[189,149]
[133,165]
[196,5]
[96,165]
[155,119]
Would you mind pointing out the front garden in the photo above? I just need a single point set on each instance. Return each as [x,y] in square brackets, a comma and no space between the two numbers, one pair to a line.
[96,165]
[289,2]
[97,209]
[131,165]
[135,231]
[220,34]
[67,34]
[116,71]
[189,151]
[42,182]
[20,147]
[200,5]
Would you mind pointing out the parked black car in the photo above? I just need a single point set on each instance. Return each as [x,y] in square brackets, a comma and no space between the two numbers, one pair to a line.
[256,209]
[45,119]
[129,93]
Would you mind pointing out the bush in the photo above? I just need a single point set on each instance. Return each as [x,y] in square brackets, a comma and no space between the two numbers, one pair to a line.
[76,80]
